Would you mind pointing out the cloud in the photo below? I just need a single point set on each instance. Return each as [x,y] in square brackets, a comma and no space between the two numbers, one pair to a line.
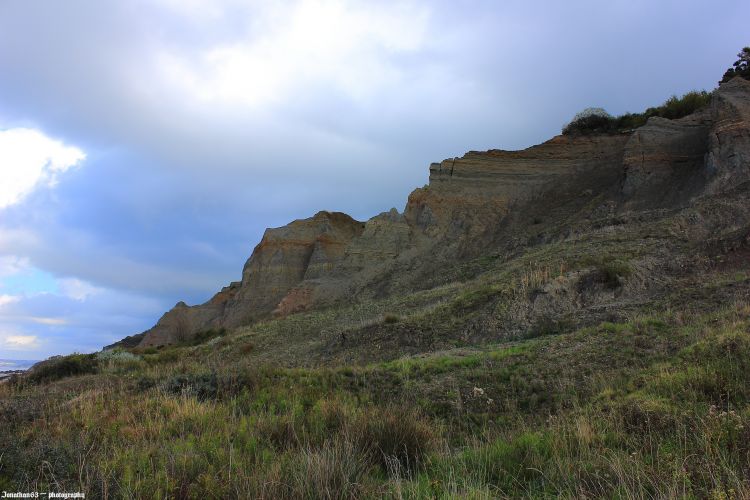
[341,45]
[205,121]
[8,299]
[19,342]
[29,159]
[47,321]
[77,289]
[62,324]
[12,264]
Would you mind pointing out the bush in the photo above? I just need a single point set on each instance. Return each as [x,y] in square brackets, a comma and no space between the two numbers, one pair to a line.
[677,107]
[59,367]
[391,318]
[741,67]
[119,361]
[201,386]
[589,120]
[612,271]
[117,356]
[398,436]
[206,335]
[598,121]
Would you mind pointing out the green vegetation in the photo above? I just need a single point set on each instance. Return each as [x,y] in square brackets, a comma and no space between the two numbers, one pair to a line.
[611,360]
[206,335]
[391,318]
[60,367]
[673,108]
[657,406]
[741,67]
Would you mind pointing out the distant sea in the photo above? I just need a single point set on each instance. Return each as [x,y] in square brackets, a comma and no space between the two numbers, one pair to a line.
[16,364]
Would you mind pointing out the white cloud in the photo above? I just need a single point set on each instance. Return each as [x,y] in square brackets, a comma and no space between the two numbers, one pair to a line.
[11,264]
[8,299]
[77,289]
[28,159]
[330,43]
[47,321]
[20,342]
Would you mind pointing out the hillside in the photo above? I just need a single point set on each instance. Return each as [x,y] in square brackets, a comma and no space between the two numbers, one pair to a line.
[568,320]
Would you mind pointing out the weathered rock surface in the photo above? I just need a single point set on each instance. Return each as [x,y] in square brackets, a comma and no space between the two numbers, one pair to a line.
[664,162]
[728,158]
[484,202]
[303,250]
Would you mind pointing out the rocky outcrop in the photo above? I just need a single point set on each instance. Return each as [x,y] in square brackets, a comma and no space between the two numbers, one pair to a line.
[304,250]
[285,257]
[469,196]
[669,162]
[664,161]
[481,202]
[728,157]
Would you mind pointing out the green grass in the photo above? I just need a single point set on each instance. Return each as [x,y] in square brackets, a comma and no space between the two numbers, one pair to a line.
[426,394]
[656,406]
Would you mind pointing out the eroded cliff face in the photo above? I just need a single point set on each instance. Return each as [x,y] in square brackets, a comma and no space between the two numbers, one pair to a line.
[286,256]
[481,203]
[468,197]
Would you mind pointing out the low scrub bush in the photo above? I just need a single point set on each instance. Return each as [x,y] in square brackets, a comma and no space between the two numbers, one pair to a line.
[391,318]
[206,335]
[399,437]
[201,386]
[119,361]
[598,121]
[610,272]
[59,367]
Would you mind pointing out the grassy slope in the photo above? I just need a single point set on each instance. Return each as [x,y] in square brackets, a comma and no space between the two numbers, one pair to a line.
[642,393]
[657,405]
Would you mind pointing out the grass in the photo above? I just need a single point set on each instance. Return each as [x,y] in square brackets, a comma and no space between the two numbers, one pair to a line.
[658,406]
[426,394]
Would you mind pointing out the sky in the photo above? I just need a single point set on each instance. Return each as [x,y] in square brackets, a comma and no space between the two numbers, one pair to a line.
[146,144]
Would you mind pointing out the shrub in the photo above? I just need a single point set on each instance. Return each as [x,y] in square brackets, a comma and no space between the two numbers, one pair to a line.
[589,120]
[741,67]
[398,436]
[164,356]
[59,367]
[391,318]
[201,386]
[677,107]
[596,120]
[206,335]
[610,272]
[116,355]
[117,361]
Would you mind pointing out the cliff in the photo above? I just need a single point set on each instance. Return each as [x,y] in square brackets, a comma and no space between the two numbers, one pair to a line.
[490,202]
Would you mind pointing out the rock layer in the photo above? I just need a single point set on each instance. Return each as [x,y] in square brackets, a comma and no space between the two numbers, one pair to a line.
[286,256]
[481,202]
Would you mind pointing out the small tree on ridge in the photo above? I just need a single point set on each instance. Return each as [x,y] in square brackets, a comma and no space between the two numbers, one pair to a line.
[741,67]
